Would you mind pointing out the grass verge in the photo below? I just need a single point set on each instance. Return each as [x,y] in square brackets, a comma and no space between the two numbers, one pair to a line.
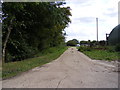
[13,68]
[102,55]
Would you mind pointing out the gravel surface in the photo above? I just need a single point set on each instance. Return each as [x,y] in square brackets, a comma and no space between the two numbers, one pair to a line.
[72,69]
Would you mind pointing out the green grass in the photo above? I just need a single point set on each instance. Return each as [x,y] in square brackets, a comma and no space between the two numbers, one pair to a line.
[102,55]
[13,68]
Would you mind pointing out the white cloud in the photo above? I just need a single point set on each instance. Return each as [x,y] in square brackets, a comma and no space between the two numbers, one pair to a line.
[84,13]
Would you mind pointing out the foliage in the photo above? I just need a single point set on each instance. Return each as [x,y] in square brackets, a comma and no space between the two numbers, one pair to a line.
[117,48]
[76,41]
[83,42]
[36,26]
[13,68]
[73,42]
[102,55]
[100,52]
[93,43]
[102,42]
[84,48]
[111,48]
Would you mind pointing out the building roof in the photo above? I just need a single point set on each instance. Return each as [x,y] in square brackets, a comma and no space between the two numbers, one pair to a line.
[114,37]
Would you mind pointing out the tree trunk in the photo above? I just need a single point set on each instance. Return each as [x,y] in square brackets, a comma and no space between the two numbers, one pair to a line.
[6,40]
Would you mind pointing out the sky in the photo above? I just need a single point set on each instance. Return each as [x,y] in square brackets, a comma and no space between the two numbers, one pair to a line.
[83,19]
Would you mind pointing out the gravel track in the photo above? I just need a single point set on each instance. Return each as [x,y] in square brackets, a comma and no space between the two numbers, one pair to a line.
[72,69]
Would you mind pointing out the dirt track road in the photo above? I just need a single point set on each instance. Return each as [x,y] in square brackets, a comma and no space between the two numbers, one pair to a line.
[71,70]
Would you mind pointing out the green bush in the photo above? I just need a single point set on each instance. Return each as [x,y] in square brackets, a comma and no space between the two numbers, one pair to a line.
[117,48]
[84,48]
[114,48]
[111,48]
[71,43]
[19,52]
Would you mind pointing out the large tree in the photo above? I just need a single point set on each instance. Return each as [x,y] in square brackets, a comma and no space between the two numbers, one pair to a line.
[72,42]
[32,27]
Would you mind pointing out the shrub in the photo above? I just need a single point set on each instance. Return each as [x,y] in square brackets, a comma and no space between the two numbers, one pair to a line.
[117,48]
[84,48]
[71,43]
[111,48]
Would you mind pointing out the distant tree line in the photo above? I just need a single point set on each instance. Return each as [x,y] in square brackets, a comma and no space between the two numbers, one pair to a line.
[93,43]
[30,27]
[74,42]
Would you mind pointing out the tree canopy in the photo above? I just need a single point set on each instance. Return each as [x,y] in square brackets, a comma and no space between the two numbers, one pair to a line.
[73,42]
[29,28]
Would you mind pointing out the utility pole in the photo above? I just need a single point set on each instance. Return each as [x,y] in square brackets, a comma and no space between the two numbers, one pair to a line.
[97,28]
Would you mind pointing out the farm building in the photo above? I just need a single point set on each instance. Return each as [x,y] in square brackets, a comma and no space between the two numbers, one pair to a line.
[114,36]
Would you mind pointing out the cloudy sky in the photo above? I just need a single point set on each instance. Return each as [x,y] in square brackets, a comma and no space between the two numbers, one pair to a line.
[84,13]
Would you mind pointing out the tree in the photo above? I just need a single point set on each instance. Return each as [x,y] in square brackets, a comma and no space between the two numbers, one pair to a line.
[83,42]
[93,43]
[76,41]
[73,42]
[29,28]
[102,42]
[9,21]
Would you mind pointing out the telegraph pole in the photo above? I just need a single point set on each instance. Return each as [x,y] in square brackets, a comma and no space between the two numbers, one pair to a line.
[97,28]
